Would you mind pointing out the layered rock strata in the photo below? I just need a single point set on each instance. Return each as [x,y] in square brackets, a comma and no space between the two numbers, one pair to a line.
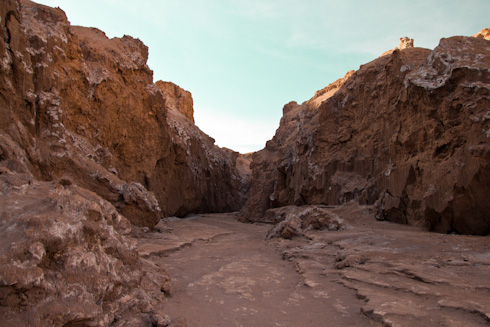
[409,130]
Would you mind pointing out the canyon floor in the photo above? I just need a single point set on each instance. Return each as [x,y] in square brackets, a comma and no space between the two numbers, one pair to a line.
[226,273]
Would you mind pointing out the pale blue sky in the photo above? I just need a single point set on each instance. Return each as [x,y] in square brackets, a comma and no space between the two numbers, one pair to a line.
[242,60]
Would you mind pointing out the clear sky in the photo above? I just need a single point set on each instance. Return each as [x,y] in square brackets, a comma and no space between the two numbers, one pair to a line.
[243,60]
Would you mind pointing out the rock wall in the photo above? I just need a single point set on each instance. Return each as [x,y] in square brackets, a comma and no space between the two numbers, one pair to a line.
[202,177]
[79,106]
[66,260]
[409,131]
[177,98]
[89,145]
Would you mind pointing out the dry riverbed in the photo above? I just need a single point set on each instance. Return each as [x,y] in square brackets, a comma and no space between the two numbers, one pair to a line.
[225,273]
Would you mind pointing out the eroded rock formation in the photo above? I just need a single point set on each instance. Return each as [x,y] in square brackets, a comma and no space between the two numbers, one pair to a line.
[89,145]
[483,34]
[77,105]
[294,221]
[405,43]
[177,98]
[409,130]
[65,259]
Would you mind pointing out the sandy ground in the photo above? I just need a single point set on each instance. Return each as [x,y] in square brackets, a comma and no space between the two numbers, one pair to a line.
[226,273]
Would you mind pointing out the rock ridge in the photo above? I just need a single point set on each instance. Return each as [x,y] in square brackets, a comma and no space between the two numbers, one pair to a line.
[407,131]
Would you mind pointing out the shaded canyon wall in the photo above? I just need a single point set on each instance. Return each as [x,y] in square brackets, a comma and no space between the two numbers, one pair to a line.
[409,131]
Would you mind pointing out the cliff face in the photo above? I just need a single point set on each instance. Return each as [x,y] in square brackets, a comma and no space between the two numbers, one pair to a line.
[82,107]
[89,144]
[177,99]
[202,177]
[409,130]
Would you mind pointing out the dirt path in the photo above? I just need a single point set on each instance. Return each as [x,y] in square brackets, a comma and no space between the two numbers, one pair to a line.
[224,273]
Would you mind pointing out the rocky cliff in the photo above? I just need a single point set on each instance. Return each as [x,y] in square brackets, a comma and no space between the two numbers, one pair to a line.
[408,131]
[88,142]
[77,105]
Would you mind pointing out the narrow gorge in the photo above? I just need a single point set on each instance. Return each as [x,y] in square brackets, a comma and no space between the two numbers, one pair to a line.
[368,207]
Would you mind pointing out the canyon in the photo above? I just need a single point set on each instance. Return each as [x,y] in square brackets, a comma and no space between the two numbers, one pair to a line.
[368,206]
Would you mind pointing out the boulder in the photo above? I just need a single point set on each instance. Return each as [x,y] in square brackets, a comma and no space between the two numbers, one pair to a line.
[66,259]
[293,221]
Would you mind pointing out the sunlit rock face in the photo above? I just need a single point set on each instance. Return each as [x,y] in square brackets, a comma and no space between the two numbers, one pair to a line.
[405,43]
[483,34]
[409,131]
[177,98]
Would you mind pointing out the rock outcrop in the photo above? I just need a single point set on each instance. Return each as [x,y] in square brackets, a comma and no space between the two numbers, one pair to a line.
[483,34]
[409,131]
[294,221]
[405,43]
[177,98]
[201,176]
[66,260]
[88,146]
[79,106]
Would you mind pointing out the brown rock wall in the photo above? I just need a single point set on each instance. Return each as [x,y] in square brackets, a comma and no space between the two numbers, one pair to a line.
[89,144]
[83,107]
[65,259]
[408,130]
[177,98]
